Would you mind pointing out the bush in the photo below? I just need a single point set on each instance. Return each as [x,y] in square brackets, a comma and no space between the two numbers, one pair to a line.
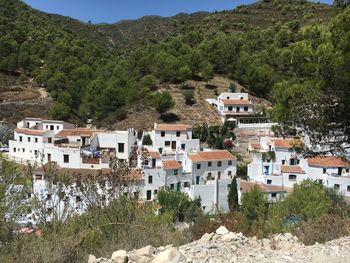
[189,97]
[323,229]
[163,101]
[147,140]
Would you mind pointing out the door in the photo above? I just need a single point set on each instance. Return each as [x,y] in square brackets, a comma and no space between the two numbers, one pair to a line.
[340,170]
[49,157]
[173,145]
[153,162]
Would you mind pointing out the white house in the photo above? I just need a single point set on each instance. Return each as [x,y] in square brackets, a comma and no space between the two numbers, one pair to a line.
[169,138]
[276,162]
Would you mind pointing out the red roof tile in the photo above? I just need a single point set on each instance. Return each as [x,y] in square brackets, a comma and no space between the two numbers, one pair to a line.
[83,132]
[171,127]
[327,161]
[211,155]
[292,169]
[171,164]
[236,102]
[246,186]
[30,131]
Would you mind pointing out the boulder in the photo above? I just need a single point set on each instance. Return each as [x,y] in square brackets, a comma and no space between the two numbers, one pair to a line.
[139,259]
[145,251]
[170,255]
[229,237]
[207,237]
[92,259]
[119,256]
[222,231]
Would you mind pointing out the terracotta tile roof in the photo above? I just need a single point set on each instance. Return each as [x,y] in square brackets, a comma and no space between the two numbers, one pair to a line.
[30,131]
[171,127]
[83,132]
[211,155]
[286,143]
[327,161]
[171,164]
[255,145]
[236,102]
[292,169]
[153,154]
[246,186]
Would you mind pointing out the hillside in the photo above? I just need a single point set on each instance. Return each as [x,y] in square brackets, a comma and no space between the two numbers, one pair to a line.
[103,71]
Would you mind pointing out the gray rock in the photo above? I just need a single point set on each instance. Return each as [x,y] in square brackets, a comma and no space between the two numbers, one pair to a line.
[139,259]
[229,237]
[170,255]
[119,256]
[92,259]
[207,237]
[222,231]
[145,251]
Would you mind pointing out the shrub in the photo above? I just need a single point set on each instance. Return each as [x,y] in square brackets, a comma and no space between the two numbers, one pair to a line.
[189,97]
[163,102]
[147,140]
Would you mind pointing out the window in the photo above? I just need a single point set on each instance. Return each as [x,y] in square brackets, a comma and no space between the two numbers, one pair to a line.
[219,175]
[14,150]
[49,157]
[49,140]
[198,166]
[237,109]
[283,162]
[209,176]
[167,143]
[229,162]
[348,188]
[209,164]
[66,158]
[172,186]
[347,170]
[150,179]
[229,173]
[197,179]
[146,162]
[229,108]
[47,127]
[273,195]
[219,163]
[336,186]
[52,127]
[177,134]
[28,139]
[186,184]
[175,172]
[162,134]
[292,177]
[120,147]
[36,152]
[20,138]
[324,170]
[36,139]
[23,150]
[269,181]
[149,194]
[183,146]
[57,127]
[245,108]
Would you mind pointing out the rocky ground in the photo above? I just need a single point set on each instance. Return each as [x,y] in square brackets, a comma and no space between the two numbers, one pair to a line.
[225,246]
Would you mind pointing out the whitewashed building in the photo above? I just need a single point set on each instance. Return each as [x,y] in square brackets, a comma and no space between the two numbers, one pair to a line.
[277,162]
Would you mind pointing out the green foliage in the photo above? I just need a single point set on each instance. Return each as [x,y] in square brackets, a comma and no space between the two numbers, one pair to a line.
[232,198]
[179,205]
[189,97]
[254,210]
[147,140]
[242,171]
[163,101]
[308,200]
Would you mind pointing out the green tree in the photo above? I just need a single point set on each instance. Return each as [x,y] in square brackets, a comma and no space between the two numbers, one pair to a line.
[254,206]
[232,198]
[147,140]
[189,97]
[308,200]
[163,101]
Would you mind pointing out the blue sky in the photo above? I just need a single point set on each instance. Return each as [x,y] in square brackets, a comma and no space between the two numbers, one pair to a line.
[114,10]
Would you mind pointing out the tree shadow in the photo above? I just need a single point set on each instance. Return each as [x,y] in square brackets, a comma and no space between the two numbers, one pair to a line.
[210,86]
[169,117]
